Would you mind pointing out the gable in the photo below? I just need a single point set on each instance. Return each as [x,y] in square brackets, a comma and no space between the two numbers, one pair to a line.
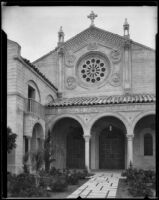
[96,35]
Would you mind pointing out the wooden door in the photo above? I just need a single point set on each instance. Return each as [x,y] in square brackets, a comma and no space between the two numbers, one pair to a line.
[111,149]
[75,151]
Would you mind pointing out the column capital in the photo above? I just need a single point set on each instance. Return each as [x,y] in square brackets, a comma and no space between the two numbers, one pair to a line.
[87,137]
[130,137]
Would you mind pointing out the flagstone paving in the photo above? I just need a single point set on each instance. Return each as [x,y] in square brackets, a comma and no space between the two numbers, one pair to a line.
[100,185]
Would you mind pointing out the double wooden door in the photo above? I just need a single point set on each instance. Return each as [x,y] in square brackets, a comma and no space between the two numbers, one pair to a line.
[111,149]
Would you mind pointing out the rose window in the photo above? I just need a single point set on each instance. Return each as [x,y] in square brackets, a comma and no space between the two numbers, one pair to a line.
[93,69]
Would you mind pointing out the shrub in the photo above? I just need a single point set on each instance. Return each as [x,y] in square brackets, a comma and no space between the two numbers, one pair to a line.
[53,171]
[23,185]
[138,181]
[58,183]
[72,178]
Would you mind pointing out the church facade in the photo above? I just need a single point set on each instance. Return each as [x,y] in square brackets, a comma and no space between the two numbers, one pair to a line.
[95,95]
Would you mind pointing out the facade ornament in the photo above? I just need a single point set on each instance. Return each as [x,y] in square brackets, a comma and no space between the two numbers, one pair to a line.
[70,59]
[115,56]
[71,82]
[92,16]
[127,44]
[92,46]
[115,79]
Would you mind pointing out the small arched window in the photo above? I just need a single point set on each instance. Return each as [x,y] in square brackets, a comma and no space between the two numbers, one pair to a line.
[148,145]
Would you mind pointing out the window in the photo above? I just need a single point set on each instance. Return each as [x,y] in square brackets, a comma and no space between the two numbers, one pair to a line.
[31,92]
[26,145]
[93,69]
[148,145]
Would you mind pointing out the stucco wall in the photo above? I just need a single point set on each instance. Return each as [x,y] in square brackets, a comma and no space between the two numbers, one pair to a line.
[18,76]
[49,67]
[141,161]
[143,70]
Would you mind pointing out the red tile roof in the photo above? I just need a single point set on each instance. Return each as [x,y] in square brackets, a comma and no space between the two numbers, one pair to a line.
[102,100]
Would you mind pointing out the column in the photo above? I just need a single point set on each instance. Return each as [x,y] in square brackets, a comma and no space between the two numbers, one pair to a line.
[87,147]
[29,151]
[129,150]
[127,66]
[60,68]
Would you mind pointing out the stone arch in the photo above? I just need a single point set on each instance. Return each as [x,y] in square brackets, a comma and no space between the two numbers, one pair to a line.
[111,114]
[100,142]
[41,123]
[140,116]
[37,137]
[34,85]
[53,120]
[67,138]
[144,123]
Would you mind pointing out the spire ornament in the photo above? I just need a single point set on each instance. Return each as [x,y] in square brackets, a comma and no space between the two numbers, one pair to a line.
[126,28]
[60,36]
[92,17]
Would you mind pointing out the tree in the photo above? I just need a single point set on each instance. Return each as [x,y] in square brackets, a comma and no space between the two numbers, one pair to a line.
[37,159]
[50,148]
[11,138]
[48,152]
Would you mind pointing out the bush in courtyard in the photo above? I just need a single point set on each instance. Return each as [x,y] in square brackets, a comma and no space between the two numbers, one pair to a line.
[58,183]
[139,181]
[53,171]
[23,185]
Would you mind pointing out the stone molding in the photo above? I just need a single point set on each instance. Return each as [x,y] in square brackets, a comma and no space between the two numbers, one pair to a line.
[129,137]
[87,137]
[149,107]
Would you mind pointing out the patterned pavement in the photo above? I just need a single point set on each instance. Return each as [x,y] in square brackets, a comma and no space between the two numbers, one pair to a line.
[100,185]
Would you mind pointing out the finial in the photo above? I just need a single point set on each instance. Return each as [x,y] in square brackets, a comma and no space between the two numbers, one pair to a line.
[126,28]
[60,29]
[60,36]
[92,16]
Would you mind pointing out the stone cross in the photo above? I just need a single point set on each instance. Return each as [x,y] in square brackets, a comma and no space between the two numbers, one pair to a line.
[92,16]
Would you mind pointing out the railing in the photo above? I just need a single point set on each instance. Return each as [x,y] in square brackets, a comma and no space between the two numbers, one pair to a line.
[34,107]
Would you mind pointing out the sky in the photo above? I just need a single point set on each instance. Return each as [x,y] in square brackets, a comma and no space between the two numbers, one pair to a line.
[35,29]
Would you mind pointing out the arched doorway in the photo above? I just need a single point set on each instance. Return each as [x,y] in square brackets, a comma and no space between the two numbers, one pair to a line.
[108,146]
[111,149]
[144,143]
[68,135]
[37,138]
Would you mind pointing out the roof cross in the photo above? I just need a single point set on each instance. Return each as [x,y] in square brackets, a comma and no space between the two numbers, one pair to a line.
[92,16]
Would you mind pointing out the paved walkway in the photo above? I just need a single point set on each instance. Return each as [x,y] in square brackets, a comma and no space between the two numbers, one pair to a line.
[100,185]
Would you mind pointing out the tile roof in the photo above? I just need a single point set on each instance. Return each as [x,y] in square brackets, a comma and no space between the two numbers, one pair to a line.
[37,70]
[102,100]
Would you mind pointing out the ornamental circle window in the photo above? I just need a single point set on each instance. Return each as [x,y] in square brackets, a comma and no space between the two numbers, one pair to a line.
[93,69]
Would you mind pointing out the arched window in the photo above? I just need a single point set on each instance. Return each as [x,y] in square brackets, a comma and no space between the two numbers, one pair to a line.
[148,145]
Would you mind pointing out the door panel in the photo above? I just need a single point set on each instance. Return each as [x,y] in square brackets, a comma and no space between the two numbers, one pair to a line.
[75,151]
[111,150]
